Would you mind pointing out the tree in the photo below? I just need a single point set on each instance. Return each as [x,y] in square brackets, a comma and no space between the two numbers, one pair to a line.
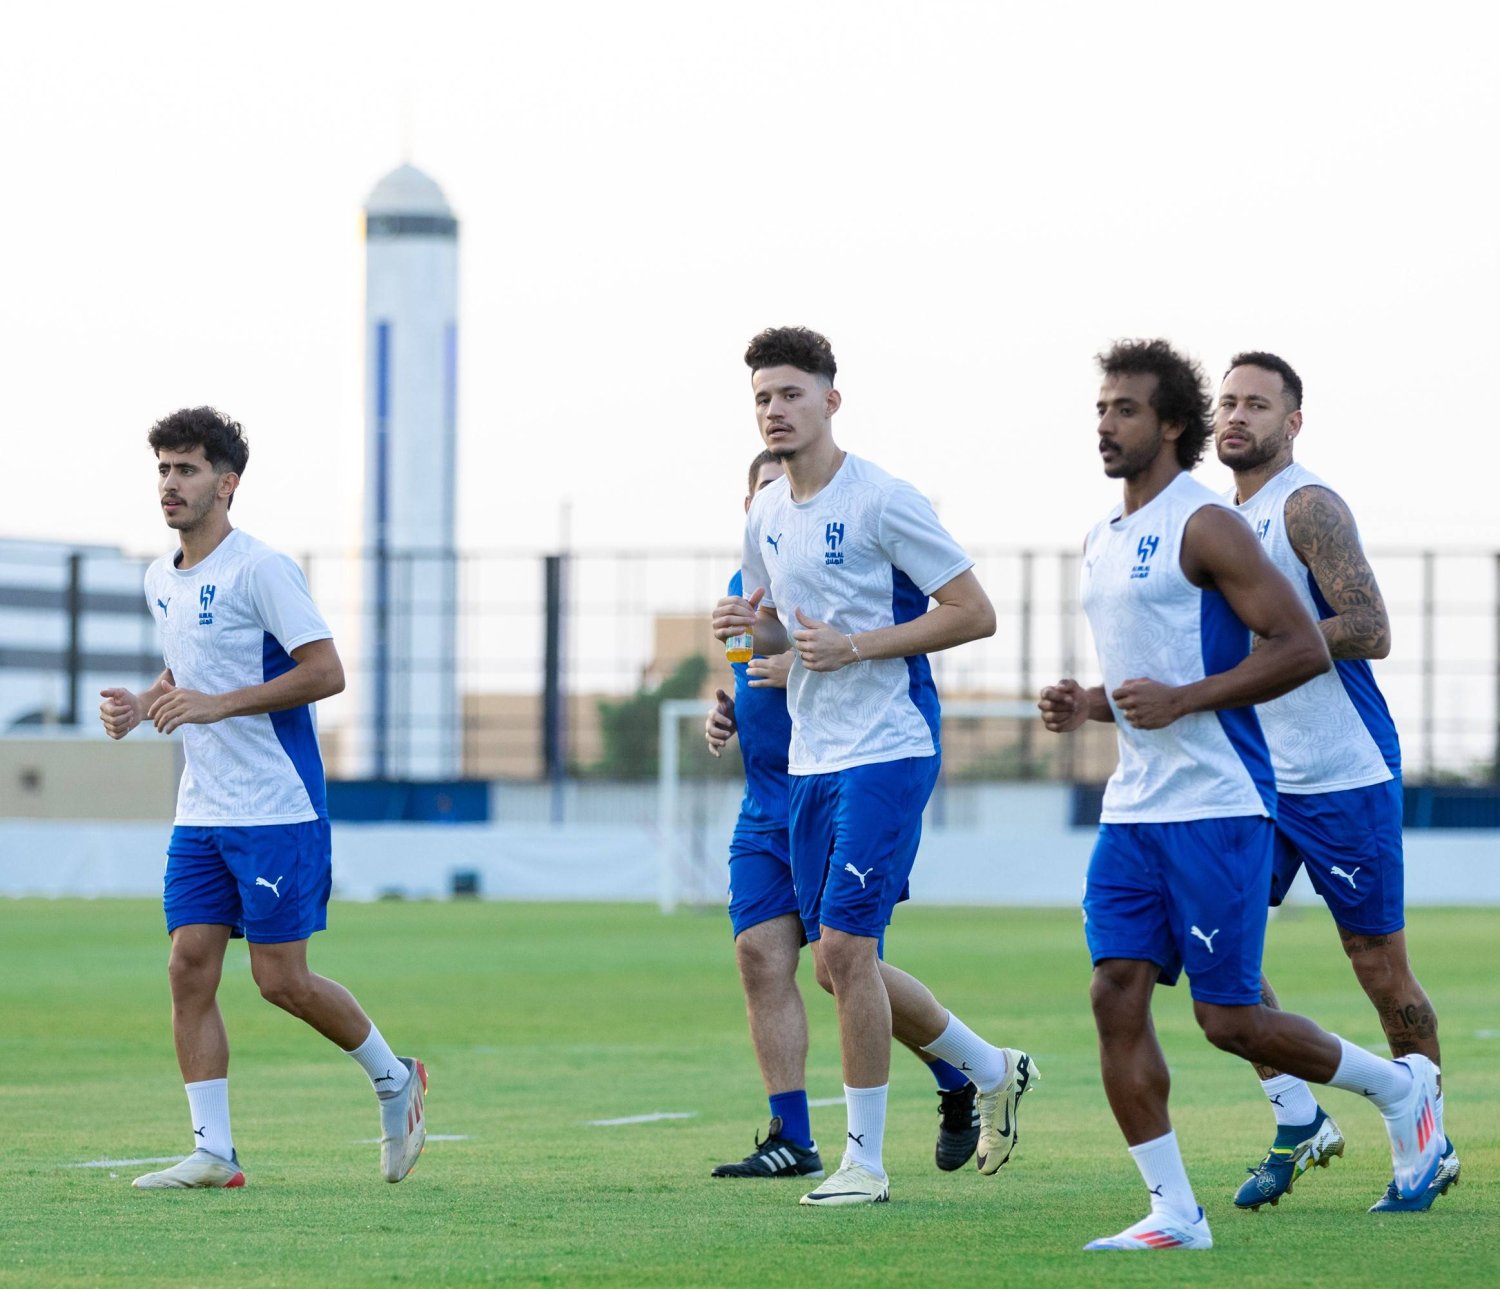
[631,728]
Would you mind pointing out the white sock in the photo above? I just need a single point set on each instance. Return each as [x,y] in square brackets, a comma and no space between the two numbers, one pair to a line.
[387,1075]
[866,1143]
[1160,1162]
[1291,1100]
[208,1103]
[960,1046]
[1368,1075]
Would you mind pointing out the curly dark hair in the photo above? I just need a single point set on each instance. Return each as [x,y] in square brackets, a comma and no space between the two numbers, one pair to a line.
[1182,396]
[222,440]
[797,347]
[1290,381]
[764,457]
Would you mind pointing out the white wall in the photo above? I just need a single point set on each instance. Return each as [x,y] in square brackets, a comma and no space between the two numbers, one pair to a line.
[1014,848]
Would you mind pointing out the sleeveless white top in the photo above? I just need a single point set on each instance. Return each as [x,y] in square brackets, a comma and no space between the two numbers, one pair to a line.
[1150,622]
[1335,732]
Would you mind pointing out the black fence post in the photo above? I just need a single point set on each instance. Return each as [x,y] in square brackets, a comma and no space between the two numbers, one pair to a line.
[554,705]
[75,635]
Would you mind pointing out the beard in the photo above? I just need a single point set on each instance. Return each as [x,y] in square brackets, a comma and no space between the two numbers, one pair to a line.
[1252,455]
[1129,464]
[191,515]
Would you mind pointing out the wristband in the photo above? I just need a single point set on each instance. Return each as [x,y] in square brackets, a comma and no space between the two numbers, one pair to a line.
[853,646]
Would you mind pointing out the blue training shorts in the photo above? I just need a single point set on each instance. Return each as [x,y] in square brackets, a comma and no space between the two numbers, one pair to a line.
[760,876]
[1350,844]
[1184,895]
[854,839]
[269,884]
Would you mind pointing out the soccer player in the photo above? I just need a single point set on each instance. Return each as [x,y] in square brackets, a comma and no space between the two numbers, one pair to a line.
[768,935]
[247,654]
[852,557]
[1337,761]
[1174,582]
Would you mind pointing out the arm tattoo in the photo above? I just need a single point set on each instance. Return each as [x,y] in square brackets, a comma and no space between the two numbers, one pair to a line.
[1323,534]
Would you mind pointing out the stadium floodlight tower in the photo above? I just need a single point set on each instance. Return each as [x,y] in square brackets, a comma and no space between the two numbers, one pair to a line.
[410,712]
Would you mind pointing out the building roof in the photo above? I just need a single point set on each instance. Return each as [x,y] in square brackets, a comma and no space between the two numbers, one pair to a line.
[407,191]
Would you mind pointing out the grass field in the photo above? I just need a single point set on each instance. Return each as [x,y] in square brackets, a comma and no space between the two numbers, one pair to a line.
[537,1020]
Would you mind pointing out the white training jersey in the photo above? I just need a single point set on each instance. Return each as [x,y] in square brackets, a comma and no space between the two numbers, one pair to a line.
[866,552]
[229,622]
[1150,622]
[1335,732]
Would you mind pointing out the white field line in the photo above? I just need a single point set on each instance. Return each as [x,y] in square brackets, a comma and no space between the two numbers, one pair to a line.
[128,1163]
[177,1159]
[661,1115]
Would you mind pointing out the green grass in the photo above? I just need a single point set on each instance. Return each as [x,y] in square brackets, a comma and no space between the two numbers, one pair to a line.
[534,1020]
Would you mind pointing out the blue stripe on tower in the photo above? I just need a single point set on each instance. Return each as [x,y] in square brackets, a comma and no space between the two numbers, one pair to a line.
[294,727]
[1358,680]
[450,417]
[909,602]
[1225,642]
[448,618]
[381,678]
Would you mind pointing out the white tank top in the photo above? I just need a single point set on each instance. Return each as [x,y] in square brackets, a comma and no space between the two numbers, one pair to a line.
[1150,621]
[1335,732]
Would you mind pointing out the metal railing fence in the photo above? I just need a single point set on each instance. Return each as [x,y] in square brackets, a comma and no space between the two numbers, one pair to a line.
[72,620]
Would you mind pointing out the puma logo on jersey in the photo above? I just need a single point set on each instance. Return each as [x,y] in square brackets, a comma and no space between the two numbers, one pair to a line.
[849,868]
[1207,939]
[1348,877]
[162,605]
[270,886]
[774,542]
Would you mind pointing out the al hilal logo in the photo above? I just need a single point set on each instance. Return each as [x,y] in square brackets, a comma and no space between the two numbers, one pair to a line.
[1262,528]
[1144,550]
[833,535]
[206,604]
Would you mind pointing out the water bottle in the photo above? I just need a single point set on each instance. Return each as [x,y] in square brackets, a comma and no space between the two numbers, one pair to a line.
[739,648]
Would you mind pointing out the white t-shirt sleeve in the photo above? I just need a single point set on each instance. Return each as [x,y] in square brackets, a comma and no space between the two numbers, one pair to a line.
[281,598]
[916,543]
[752,563]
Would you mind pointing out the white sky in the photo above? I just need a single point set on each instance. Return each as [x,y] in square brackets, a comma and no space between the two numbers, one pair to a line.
[970,199]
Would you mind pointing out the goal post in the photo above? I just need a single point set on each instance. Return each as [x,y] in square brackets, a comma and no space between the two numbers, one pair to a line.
[691,850]
[672,848]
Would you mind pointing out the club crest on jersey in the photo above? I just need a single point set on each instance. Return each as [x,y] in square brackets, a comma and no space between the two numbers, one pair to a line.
[1144,550]
[206,604]
[1262,528]
[833,537]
